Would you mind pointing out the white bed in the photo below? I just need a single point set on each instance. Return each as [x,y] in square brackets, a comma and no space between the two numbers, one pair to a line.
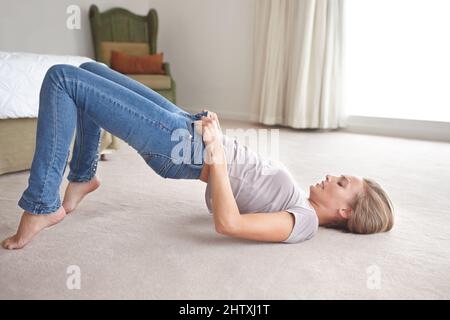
[21,76]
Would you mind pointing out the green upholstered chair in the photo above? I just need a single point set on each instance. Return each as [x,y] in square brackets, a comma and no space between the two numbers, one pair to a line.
[121,30]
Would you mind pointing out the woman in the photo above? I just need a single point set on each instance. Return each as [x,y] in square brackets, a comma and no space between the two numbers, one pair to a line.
[238,180]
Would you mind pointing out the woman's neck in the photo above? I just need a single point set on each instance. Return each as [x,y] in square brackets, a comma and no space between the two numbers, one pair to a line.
[322,213]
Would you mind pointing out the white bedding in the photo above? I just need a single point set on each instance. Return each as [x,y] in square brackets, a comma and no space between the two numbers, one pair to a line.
[21,76]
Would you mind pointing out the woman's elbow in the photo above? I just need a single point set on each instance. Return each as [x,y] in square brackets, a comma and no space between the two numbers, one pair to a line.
[227,229]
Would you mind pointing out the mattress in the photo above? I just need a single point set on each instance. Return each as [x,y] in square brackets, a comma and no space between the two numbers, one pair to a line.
[21,76]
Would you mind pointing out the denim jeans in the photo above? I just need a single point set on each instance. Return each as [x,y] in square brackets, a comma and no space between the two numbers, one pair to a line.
[91,97]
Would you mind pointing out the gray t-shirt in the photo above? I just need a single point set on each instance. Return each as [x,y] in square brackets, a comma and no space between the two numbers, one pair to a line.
[260,184]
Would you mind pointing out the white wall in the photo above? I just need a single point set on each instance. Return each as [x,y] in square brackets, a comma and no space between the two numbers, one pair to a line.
[40,25]
[207,42]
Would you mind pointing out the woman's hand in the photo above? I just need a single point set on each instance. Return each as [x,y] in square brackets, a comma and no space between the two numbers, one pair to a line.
[212,132]
[212,137]
[214,116]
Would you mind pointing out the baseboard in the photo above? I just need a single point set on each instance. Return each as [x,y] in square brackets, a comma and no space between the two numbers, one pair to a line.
[403,128]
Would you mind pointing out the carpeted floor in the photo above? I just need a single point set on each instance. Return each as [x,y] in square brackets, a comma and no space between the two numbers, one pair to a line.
[140,236]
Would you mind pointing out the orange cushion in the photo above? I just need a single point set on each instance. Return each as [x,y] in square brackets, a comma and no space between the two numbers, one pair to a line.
[146,64]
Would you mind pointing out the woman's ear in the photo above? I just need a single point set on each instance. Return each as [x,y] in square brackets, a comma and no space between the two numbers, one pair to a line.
[345,213]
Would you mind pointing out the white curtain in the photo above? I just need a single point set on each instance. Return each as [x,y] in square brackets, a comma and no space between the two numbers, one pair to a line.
[297,71]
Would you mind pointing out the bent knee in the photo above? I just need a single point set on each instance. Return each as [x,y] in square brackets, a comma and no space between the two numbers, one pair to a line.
[88,65]
[59,71]
[56,68]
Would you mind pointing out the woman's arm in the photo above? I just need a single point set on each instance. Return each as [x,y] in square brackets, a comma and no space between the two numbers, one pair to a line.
[272,227]
[225,210]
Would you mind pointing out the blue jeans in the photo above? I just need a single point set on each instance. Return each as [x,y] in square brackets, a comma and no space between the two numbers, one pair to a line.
[92,97]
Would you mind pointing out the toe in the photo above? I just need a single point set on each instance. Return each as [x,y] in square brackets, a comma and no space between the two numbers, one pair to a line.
[13,243]
[7,243]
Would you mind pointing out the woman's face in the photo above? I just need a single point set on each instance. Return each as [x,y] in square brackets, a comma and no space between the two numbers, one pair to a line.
[336,192]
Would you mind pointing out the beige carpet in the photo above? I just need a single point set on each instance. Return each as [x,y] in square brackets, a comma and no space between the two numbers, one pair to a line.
[140,236]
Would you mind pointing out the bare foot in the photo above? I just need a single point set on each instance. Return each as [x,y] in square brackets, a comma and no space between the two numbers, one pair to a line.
[76,191]
[30,225]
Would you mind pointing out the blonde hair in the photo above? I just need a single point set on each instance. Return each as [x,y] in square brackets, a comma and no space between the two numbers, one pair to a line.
[372,210]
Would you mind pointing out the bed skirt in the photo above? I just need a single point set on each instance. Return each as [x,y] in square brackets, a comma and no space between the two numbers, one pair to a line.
[17,143]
